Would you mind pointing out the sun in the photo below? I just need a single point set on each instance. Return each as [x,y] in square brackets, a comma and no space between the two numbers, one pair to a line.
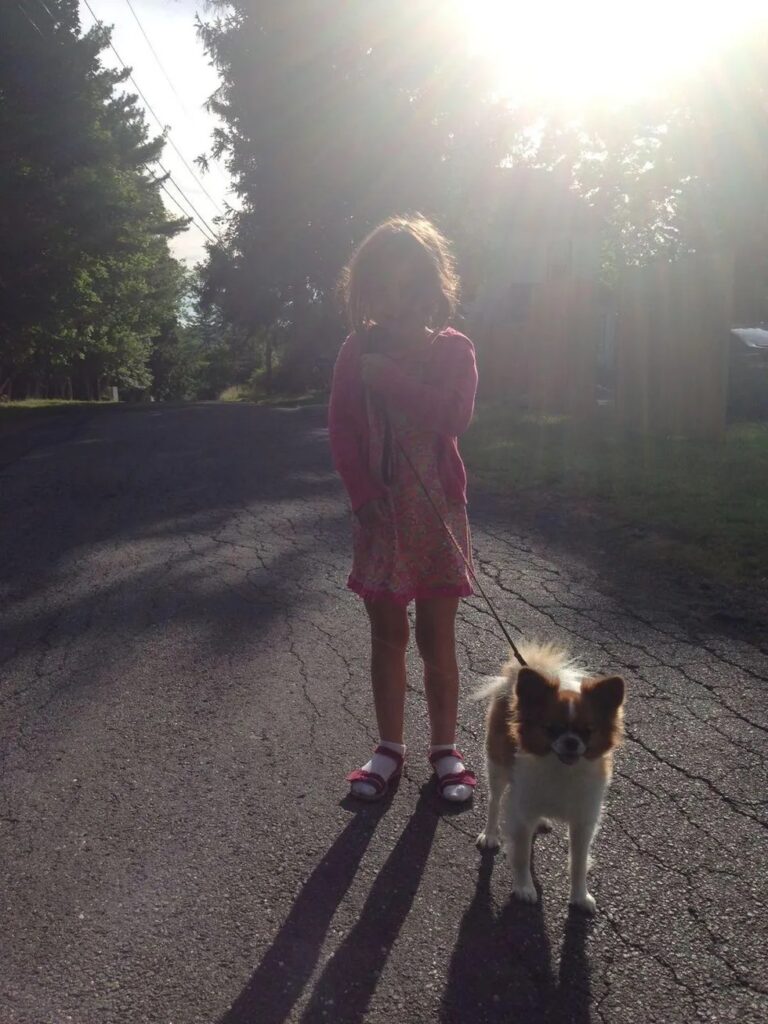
[574,53]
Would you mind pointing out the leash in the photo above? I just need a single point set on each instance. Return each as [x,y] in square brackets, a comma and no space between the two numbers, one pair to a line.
[521,660]
[375,337]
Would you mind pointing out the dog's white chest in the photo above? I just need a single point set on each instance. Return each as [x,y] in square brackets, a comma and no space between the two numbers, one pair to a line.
[545,787]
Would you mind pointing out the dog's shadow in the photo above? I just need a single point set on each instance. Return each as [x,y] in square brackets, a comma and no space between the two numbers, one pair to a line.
[572,999]
[501,968]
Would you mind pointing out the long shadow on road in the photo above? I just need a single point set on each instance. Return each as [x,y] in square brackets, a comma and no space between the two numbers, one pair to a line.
[501,968]
[130,475]
[350,977]
[344,989]
[289,962]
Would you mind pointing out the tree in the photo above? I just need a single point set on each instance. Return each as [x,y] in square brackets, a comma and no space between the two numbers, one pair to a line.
[716,146]
[334,116]
[86,279]
[682,172]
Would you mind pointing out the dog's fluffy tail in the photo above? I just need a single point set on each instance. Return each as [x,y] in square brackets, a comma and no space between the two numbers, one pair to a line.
[547,658]
[553,661]
[495,686]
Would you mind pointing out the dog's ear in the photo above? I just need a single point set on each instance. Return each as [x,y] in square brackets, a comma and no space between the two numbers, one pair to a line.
[606,692]
[532,688]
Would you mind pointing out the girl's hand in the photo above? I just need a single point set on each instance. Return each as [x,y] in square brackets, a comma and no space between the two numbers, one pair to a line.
[371,365]
[370,514]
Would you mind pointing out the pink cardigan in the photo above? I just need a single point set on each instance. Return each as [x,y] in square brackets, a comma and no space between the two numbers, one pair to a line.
[443,403]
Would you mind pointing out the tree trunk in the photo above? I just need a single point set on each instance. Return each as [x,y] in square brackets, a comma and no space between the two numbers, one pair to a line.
[268,378]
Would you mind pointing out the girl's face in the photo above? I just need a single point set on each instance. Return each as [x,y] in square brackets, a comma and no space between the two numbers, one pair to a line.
[398,305]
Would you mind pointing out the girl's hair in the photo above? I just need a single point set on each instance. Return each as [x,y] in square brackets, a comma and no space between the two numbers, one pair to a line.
[433,284]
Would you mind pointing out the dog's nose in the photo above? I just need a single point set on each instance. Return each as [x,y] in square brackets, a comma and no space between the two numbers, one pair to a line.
[571,744]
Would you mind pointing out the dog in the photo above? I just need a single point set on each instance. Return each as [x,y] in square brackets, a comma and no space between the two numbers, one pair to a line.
[550,736]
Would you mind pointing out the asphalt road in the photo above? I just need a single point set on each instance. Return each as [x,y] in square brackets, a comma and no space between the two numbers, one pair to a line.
[183,686]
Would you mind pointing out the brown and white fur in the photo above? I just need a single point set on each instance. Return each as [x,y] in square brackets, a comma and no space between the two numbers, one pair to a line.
[550,736]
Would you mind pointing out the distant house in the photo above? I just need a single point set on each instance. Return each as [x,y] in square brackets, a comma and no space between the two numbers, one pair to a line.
[538,311]
[540,228]
[748,373]
[752,337]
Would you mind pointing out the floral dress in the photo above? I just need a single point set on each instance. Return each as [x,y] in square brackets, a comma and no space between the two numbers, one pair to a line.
[408,554]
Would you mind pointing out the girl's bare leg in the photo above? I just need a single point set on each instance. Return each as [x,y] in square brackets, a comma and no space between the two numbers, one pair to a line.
[389,639]
[436,640]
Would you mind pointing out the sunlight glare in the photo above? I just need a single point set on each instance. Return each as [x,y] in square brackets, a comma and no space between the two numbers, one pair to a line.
[575,53]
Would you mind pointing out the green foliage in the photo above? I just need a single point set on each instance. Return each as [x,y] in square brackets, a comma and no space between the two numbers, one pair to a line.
[86,279]
[682,172]
[334,116]
[228,354]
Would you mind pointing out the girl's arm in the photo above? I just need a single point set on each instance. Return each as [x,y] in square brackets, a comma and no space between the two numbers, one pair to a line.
[347,427]
[446,407]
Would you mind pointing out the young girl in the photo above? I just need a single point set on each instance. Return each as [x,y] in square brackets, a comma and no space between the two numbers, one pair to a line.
[403,389]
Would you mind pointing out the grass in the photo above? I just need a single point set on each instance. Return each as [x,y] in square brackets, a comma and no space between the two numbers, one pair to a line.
[706,503]
[11,409]
[236,393]
[256,396]
[15,416]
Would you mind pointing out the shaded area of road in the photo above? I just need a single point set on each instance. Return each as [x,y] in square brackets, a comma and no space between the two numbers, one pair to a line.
[183,687]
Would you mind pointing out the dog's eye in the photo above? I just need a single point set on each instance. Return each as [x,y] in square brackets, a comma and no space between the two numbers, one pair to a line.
[584,734]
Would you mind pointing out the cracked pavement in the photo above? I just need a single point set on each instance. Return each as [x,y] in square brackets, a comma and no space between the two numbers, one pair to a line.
[183,686]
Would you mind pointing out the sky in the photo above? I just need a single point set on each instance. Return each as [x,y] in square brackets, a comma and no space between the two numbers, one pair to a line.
[574,53]
[170,26]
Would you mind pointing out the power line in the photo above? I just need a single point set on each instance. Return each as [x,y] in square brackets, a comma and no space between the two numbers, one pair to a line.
[173,88]
[47,10]
[148,105]
[163,127]
[207,231]
[168,80]
[154,54]
[160,64]
[186,216]
[29,19]
[203,228]
[188,200]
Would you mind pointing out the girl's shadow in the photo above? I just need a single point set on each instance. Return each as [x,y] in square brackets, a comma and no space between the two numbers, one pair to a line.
[501,968]
[287,965]
[350,977]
